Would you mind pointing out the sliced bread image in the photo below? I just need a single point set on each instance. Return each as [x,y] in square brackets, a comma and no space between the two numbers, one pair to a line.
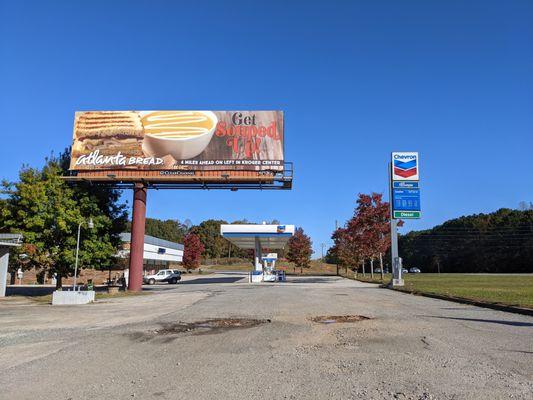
[109,132]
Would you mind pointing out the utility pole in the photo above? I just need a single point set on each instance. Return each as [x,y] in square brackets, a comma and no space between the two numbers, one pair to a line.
[322,245]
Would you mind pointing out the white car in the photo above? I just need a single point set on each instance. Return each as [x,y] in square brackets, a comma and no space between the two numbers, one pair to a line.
[414,270]
[164,275]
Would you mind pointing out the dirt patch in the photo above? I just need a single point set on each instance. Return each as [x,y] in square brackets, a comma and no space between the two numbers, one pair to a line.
[208,326]
[332,319]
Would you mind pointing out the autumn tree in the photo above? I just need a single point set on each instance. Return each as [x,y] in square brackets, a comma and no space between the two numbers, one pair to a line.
[341,249]
[192,252]
[300,250]
[366,235]
[373,217]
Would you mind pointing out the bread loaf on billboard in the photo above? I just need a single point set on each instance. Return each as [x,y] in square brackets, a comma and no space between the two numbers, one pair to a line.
[108,132]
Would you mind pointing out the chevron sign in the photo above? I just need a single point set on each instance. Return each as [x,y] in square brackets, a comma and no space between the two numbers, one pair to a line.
[405,166]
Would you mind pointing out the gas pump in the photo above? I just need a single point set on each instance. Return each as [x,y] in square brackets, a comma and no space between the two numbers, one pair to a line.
[269,267]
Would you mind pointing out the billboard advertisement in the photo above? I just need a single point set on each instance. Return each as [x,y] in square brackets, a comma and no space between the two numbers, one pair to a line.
[405,166]
[178,140]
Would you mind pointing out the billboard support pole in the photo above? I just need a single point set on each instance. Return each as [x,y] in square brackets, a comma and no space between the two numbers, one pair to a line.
[135,278]
[396,262]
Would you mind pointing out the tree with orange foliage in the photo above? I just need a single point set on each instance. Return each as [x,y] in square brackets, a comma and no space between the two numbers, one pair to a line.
[193,251]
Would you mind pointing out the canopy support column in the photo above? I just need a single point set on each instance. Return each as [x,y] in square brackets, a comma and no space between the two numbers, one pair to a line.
[257,255]
[4,261]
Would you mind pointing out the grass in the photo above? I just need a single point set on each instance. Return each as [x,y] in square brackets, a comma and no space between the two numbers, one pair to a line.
[513,290]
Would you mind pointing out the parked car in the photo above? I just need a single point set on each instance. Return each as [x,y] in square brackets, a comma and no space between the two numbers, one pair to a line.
[414,270]
[164,275]
[377,270]
[405,271]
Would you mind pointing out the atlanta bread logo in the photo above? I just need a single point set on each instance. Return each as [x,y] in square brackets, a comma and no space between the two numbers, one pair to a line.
[405,166]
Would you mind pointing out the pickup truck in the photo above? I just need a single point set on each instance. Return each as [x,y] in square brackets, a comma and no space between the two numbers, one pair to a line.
[164,275]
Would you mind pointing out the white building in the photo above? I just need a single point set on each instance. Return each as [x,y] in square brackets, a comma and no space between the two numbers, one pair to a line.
[158,253]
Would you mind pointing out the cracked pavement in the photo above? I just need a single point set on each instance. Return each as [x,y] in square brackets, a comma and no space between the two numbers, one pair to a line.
[411,347]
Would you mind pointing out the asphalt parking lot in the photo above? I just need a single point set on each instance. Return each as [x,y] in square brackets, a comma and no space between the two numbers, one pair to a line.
[219,337]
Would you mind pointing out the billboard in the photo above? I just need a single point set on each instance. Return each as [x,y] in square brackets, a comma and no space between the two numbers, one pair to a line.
[405,166]
[170,141]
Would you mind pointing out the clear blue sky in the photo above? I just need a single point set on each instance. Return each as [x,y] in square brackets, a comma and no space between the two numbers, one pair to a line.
[356,79]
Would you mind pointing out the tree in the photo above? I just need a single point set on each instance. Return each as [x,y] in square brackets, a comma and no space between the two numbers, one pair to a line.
[366,235]
[215,245]
[344,248]
[47,211]
[300,250]
[170,229]
[501,241]
[209,234]
[193,251]
[373,216]
[331,256]
[524,206]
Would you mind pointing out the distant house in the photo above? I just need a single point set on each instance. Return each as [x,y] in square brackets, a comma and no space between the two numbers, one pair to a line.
[158,253]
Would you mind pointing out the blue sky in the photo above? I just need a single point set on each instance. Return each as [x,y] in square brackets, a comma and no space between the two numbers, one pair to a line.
[356,79]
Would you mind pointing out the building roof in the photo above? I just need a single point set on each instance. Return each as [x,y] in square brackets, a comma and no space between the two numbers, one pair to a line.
[126,237]
[270,236]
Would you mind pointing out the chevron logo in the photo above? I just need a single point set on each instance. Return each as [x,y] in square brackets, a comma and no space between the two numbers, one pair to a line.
[405,166]
[405,169]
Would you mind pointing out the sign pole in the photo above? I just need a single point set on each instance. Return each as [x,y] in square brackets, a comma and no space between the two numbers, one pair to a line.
[138,220]
[395,259]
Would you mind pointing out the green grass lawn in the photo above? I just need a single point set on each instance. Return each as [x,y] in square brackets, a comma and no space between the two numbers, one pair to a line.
[516,290]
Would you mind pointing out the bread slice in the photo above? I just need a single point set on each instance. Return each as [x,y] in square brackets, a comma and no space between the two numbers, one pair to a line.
[109,132]
[104,124]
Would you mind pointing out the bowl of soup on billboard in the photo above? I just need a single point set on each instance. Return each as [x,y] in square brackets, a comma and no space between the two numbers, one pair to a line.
[181,134]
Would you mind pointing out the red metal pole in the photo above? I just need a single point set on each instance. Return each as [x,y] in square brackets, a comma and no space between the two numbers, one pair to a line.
[138,220]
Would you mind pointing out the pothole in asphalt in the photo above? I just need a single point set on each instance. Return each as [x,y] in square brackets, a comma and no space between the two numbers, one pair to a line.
[209,325]
[332,319]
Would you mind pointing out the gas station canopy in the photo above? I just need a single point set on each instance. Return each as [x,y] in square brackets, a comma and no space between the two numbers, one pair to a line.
[270,236]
